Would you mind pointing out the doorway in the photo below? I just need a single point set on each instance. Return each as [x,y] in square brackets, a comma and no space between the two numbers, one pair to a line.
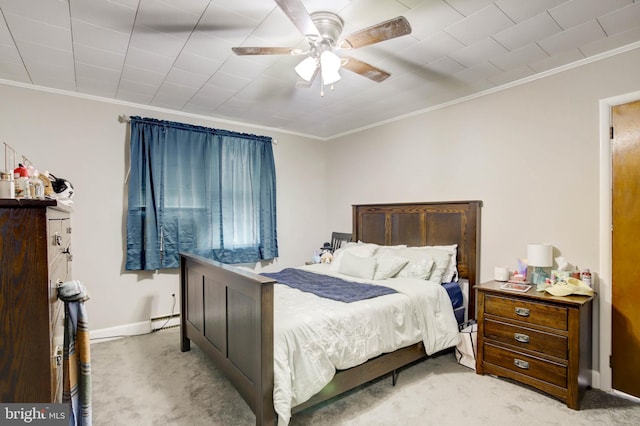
[625,248]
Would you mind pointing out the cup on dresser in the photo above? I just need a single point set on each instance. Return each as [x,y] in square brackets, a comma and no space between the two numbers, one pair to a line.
[7,186]
[501,273]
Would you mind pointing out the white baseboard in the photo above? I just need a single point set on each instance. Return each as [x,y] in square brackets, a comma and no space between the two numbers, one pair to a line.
[105,334]
[595,379]
[626,396]
[134,329]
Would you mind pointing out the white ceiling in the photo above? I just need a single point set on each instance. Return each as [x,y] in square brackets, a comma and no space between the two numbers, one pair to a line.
[176,55]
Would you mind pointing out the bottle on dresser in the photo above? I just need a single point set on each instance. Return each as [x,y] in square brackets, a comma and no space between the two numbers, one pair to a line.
[21,178]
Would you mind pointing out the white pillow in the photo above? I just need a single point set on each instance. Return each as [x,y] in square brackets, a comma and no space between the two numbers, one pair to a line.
[420,269]
[356,266]
[451,273]
[441,259]
[388,265]
[358,249]
[419,265]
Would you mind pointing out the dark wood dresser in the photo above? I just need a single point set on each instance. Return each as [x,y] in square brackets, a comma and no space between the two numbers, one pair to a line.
[535,338]
[35,257]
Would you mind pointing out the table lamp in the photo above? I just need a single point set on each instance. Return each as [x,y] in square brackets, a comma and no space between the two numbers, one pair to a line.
[539,256]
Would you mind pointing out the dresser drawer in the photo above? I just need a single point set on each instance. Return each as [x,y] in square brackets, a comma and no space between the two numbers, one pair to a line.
[54,239]
[57,350]
[60,271]
[541,369]
[526,338]
[58,235]
[527,311]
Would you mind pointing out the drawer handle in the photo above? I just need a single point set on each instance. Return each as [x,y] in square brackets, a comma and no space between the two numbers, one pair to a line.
[521,364]
[67,251]
[58,356]
[523,312]
[522,338]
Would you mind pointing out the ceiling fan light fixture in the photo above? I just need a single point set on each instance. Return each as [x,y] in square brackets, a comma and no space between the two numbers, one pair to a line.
[330,65]
[330,77]
[307,68]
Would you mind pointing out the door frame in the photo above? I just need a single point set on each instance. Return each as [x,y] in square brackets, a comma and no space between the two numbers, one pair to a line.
[602,377]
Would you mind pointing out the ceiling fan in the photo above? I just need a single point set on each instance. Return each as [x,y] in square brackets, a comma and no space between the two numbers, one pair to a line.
[323,30]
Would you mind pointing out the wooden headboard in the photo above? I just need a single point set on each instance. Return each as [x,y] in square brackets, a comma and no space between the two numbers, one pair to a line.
[422,224]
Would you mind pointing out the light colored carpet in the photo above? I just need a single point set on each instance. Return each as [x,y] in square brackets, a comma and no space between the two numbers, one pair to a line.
[146,380]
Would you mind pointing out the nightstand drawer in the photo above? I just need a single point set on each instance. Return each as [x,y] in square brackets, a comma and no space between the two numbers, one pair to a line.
[547,371]
[526,311]
[526,338]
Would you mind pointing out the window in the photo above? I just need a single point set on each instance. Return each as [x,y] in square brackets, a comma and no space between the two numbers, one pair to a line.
[205,191]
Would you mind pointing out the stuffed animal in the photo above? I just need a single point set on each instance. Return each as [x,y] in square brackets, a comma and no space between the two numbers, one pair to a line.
[326,257]
[48,188]
[62,187]
[326,253]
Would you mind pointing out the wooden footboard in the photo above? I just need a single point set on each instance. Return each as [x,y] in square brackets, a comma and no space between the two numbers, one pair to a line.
[229,315]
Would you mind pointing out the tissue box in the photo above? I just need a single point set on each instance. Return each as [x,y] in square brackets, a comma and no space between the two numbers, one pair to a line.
[559,275]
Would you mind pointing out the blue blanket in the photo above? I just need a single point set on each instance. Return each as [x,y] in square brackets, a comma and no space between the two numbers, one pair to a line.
[327,286]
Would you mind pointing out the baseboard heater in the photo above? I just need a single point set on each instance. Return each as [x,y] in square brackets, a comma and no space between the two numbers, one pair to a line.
[164,322]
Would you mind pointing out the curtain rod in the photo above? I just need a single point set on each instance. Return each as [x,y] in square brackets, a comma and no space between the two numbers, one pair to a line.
[126,119]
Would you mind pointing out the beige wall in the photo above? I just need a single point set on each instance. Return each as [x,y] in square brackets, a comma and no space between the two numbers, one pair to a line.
[531,153]
[83,141]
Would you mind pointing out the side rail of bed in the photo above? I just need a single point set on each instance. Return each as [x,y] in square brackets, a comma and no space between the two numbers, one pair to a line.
[228,313]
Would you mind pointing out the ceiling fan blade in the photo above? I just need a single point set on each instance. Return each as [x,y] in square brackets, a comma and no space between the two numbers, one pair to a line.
[386,30]
[266,51]
[298,14]
[365,69]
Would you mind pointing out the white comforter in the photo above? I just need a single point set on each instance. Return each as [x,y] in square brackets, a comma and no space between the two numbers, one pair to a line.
[314,336]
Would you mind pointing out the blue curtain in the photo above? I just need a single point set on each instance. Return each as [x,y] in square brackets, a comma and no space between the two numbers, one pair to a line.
[204,191]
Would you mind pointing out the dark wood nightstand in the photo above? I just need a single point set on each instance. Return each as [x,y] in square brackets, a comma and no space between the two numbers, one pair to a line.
[535,338]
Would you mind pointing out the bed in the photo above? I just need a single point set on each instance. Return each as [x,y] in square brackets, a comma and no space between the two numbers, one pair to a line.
[229,312]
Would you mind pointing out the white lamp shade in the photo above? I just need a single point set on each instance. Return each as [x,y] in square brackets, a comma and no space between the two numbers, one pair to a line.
[330,64]
[540,255]
[307,68]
